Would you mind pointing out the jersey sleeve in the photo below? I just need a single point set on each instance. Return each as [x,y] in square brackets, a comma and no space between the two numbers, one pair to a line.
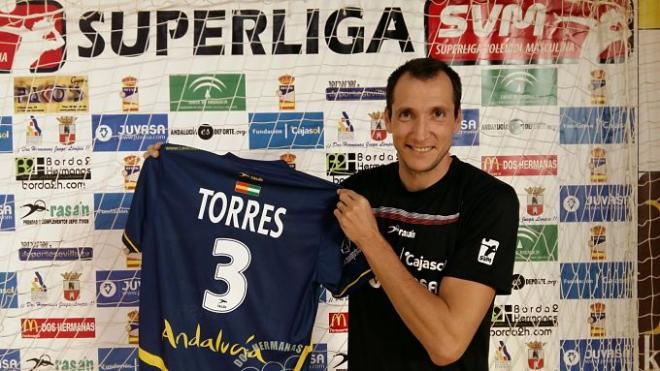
[138,217]
[485,250]
[341,266]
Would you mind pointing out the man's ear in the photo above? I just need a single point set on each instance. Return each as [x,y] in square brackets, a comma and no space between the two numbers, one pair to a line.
[388,121]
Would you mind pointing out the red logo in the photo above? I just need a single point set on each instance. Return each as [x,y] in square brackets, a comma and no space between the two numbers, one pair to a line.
[338,321]
[520,165]
[33,37]
[466,31]
[56,328]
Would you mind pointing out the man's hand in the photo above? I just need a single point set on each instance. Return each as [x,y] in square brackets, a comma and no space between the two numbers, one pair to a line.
[153,150]
[356,218]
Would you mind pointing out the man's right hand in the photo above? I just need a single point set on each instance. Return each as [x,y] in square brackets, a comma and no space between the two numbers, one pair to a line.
[153,150]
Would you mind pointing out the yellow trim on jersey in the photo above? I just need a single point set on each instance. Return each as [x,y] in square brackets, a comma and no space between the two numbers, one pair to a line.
[152,359]
[342,292]
[301,361]
[129,242]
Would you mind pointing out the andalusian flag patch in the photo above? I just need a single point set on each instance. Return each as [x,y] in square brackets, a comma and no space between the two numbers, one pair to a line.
[247,188]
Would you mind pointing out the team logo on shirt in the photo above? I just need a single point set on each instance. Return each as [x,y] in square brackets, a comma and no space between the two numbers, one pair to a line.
[487,251]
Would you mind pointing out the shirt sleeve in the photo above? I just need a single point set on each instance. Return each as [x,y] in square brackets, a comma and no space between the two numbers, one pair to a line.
[342,267]
[138,216]
[485,250]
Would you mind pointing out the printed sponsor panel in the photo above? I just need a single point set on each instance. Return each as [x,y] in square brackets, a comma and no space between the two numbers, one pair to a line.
[596,280]
[6,134]
[508,129]
[44,133]
[595,318]
[119,288]
[595,203]
[595,164]
[594,241]
[294,130]
[519,87]
[132,132]
[596,125]
[591,355]
[546,32]
[118,359]
[111,210]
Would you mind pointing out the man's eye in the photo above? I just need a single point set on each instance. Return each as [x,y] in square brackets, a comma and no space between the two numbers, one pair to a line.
[438,114]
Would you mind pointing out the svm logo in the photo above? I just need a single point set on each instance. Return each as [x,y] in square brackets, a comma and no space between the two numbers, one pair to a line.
[58,328]
[118,288]
[221,92]
[33,37]
[286,130]
[338,322]
[7,219]
[530,31]
[132,132]
[516,87]
[118,359]
[111,210]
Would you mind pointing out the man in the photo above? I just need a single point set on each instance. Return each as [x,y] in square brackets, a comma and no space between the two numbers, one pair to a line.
[438,234]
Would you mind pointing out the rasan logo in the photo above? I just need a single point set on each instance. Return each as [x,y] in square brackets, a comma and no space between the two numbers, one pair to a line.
[33,37]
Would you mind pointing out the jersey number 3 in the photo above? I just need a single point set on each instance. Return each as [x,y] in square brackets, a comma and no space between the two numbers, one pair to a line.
[231,273]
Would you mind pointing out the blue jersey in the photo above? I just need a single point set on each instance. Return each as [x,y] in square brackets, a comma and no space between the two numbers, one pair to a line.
[233,255]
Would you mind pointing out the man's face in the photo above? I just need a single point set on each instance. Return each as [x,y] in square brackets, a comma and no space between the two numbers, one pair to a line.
[422,123]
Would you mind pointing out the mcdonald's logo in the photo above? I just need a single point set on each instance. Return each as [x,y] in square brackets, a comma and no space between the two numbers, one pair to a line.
[29,328]
[490,164]
[338,321]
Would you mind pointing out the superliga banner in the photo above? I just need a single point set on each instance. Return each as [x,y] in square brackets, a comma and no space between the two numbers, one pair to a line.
[548,106]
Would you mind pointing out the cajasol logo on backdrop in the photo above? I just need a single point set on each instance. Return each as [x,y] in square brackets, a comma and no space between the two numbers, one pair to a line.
[596,125]
[7,218]
[519,87]
[32,37]
[219,92]
[111,210]
[132,132]
[8,291]
[120,288]
[286,130]
[595,203]
[468,135]
[118,359]
[596,280]
[596,354]
[6,140]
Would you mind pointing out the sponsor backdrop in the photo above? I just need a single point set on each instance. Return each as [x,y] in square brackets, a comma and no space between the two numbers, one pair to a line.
[548,106]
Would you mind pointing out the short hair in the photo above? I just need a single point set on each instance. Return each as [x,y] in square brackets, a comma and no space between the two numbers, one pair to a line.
[424,69]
